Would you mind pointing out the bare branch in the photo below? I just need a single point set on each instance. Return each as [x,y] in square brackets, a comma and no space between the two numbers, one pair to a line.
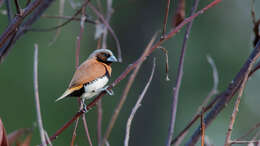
[86,130]
[61,11]
[203,107]
[69,17]
[19,10]
[36,95]
[249,131]
[108,17]
[47,138]
[165,18]
[240,93]
[177,85]
[64,23]
[9,10]
[74,133]
[136,107]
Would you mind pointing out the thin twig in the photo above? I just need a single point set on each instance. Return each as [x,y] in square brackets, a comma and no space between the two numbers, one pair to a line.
[36,95]
[244,142]
[225,97]
[9,10]
[131,67]
[177,85]
[108,16]
[136,107]
[74,133]
[70,17]
[61,11]
[126,91]
[19,11]
[64,23]
[213,91]
[235,111]
[165,51]
[86,130]
[99,121]
[165,18]
[47,138]
[101,17]
[248,132]
[202,126]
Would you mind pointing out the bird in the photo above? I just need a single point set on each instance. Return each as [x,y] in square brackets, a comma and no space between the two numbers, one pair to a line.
[91,77]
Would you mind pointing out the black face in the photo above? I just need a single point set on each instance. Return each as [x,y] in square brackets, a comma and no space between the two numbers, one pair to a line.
[103,56]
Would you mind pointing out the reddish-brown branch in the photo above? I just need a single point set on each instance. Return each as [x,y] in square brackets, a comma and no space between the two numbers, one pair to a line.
[131,67]
[202,126]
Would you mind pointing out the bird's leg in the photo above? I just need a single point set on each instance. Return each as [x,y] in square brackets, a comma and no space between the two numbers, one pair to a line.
[109,91]
[83,106]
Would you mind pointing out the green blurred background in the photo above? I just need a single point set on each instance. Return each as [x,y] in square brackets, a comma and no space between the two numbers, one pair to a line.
[224,32]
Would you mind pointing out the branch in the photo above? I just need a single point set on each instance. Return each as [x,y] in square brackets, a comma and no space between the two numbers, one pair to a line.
[36,95]
[225,97]
[214,90]
[9,10]
[177,85]
[19,10]
[165,18]
[35,9]
[249,131]
[136,107]
[131,67]
[69,17]
[240,93]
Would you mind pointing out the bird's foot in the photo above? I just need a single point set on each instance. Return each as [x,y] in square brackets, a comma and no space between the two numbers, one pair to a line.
[109,91]
[83,106]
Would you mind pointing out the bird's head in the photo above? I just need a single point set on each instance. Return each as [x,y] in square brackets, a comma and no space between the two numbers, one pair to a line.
[104,55]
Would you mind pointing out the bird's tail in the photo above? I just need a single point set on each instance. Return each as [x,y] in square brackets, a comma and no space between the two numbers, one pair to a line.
[64,95]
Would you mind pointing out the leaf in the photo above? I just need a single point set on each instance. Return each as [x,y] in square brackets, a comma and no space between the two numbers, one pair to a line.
[3,137]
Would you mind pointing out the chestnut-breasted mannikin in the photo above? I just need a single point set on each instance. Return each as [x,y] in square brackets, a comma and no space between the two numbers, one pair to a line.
[91,76]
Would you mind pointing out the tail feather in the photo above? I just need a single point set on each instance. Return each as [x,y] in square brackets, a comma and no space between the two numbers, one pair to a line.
[64,95]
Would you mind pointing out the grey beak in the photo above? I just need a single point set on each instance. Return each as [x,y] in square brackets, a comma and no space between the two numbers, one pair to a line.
[112,59]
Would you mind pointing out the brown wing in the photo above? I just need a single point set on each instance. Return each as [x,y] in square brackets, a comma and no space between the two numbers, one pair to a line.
[88,71]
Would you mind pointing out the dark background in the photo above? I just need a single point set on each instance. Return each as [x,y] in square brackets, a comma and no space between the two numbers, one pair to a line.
[223,32]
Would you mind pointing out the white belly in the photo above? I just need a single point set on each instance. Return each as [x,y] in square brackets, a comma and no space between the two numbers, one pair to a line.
[94,87]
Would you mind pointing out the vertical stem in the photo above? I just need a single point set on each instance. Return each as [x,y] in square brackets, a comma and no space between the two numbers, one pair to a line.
[165,18]
[36,95]
[179,77]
